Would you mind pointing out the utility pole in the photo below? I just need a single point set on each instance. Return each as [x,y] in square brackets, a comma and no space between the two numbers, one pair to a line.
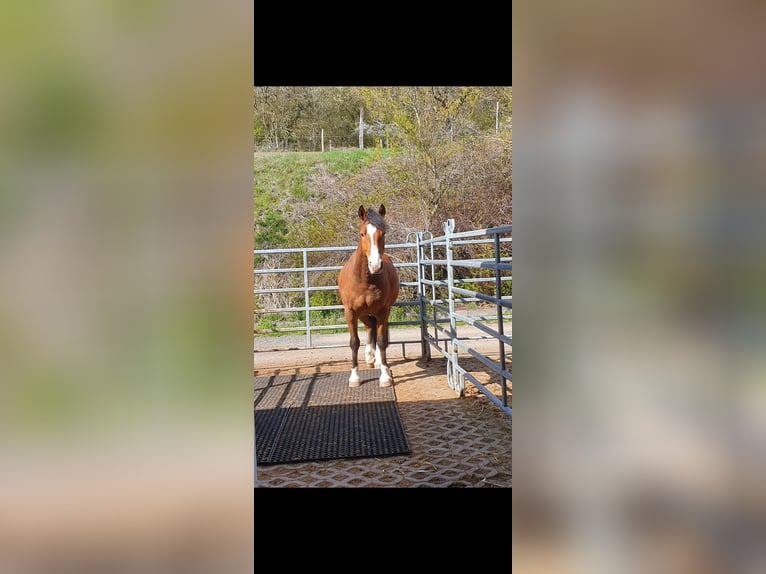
[322,140]
[361,128]
[497,116]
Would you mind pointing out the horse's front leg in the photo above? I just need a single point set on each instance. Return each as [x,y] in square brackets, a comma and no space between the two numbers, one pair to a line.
[380,353]
[351,321]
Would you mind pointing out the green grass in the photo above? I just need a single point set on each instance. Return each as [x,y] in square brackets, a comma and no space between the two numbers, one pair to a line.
[280,176]
[288,172]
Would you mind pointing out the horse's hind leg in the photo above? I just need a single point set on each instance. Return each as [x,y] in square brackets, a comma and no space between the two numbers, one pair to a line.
[351,321]
[369,349]
[380,353]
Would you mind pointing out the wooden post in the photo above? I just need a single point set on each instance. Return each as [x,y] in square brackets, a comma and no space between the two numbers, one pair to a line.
[322,140]
[361,128]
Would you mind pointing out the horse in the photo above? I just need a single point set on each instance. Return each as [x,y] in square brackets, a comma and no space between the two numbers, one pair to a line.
[369,285]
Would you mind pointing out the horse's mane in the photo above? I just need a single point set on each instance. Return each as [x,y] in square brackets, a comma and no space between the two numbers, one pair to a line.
[376,219]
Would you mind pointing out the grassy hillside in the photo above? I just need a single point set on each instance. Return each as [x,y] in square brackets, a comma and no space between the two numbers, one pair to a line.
[282,190]
[310,198]
[281,180]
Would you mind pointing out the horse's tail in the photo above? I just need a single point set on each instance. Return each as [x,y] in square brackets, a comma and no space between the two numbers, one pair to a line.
[373,322]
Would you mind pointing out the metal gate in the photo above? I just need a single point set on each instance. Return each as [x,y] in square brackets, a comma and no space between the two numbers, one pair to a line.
[433,285]
[437,274]
[401,253]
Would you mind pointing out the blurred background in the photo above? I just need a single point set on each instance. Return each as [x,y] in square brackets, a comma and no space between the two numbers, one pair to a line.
[126,286]
[639,403]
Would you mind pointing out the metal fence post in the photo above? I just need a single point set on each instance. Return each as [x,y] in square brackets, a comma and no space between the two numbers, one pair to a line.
[453,375]
[425,348]
[500,327]
[307,296]
[433,298]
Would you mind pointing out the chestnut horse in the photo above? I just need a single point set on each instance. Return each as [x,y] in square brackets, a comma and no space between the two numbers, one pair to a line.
[369,286]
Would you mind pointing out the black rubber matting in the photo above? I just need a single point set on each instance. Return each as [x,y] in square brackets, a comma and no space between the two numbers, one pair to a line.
[318,416]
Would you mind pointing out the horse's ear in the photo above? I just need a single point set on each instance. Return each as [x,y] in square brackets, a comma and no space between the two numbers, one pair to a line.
[382,210]
[361,212]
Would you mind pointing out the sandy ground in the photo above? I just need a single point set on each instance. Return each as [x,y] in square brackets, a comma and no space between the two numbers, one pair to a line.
[333,354]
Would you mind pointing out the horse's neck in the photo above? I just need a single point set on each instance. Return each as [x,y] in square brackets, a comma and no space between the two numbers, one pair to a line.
[360,267]
[360,264]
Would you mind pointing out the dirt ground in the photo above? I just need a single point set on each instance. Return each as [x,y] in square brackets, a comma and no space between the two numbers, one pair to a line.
[456,441]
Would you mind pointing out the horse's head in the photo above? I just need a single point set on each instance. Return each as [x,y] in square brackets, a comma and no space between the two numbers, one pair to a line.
[372,237]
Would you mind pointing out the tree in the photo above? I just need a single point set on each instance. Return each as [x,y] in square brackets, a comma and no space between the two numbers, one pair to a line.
[294,116]
[277,111]
[426,122]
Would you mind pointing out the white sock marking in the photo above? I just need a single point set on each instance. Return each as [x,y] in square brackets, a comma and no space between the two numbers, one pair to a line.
[385,376]
[354,378]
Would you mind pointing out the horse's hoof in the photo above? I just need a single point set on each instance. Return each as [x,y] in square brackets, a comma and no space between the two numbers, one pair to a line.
[353,380]
[385,380]
[370,361]
[353,383]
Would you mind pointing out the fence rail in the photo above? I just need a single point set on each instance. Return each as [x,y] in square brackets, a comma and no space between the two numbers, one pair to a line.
[437,292]
[431,305]
[307,289]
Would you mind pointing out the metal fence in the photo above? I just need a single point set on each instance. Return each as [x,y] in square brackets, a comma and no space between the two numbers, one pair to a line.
[437,274]
[306,288]
[433,284]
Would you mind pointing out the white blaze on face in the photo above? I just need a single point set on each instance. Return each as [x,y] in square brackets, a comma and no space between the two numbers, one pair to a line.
[374,263]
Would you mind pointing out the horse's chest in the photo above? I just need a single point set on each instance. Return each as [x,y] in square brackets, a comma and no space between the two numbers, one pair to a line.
[371,297]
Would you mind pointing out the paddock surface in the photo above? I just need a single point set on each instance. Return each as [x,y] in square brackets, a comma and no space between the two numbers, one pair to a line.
[455,441]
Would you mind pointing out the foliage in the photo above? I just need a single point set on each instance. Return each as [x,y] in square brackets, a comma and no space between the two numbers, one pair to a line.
[293,117]
[282,196]
[421,118]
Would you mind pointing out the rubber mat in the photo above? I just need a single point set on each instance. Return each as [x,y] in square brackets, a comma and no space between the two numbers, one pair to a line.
[317,416]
